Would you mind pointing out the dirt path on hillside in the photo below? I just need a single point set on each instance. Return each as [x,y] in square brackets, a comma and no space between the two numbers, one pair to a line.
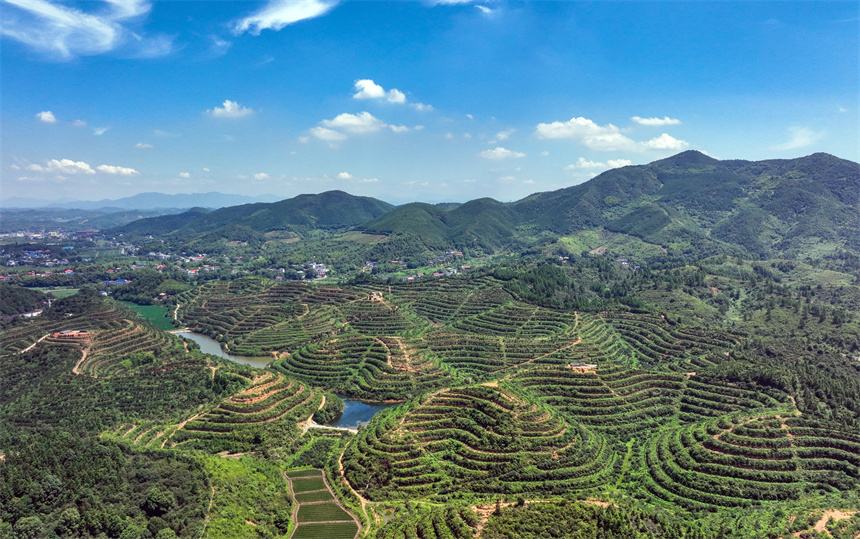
[34,344]
[361,498]
[76,368]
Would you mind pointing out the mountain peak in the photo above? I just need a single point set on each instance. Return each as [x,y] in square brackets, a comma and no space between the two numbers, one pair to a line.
[687,159]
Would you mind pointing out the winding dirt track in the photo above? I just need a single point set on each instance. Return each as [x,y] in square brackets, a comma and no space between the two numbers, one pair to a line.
[76,368]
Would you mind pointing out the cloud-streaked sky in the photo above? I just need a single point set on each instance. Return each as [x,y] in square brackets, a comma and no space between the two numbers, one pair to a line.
[425,100]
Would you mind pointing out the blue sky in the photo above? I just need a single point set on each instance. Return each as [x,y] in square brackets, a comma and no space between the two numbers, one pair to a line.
[431,101]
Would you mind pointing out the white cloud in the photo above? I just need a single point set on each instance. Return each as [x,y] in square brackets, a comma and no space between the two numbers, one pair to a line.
[370,180]
[500,153]
[544,153]
[504,135]
[344,176]
[305,140]
[396,96]
[63,166]
[584,163]
[665,142]
[469,116]
[363,122]
[800,137]
[79,123]
[98,131]
[507,179]
[398,128]
[449,136]
[261,176]
[618,163]
[280,13]
[418,128]
[46,116]
[421,107]
[470,181]
[206,169]
[665,120]
[573,128]
[65,32]
[609,142]
[143,145]
[484,10]
[843,109]
[327,134]
[119,171]
[184,174]
[604,137]
[367,89]
[231,109]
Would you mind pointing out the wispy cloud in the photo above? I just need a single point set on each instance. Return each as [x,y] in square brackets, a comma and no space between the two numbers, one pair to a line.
[63,32]
[280,13]
[585,164]
[118,171]
[143,145]
[499,153]
[63,166]
[68,166]
[799,138]
[98,131]
[665,120]
[230,109]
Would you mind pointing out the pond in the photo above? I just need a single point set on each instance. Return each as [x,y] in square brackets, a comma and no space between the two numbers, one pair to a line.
[211,346]
[357,413]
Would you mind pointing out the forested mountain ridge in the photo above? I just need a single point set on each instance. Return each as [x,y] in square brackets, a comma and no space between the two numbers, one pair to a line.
[689,203]
[760,208]
[332,209]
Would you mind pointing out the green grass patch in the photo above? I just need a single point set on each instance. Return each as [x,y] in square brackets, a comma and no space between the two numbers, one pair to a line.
[318,496]
[321,512]
[153,313]
[59,293]
[336,530]
[309,483]
[304,473]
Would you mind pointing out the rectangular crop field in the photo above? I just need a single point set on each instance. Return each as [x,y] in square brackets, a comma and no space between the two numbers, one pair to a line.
[153,313]
[306,484]
[335,530]
[304,473]
[318,496]
[321,512]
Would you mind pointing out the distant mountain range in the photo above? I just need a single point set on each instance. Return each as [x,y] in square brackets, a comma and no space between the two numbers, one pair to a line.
[686,203]
[142,201]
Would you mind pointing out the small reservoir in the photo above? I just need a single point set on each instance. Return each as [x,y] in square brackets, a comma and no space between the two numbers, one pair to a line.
[211,346]
[357,413]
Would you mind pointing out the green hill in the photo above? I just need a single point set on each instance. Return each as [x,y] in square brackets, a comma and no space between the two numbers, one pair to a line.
[791,207]
[329,210]
[484,223]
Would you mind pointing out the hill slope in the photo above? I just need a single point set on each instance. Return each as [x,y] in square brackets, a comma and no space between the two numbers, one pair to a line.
[764,208]
[332,209]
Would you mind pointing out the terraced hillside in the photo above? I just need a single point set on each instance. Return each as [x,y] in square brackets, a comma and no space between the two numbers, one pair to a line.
[239,422]
[481,439]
